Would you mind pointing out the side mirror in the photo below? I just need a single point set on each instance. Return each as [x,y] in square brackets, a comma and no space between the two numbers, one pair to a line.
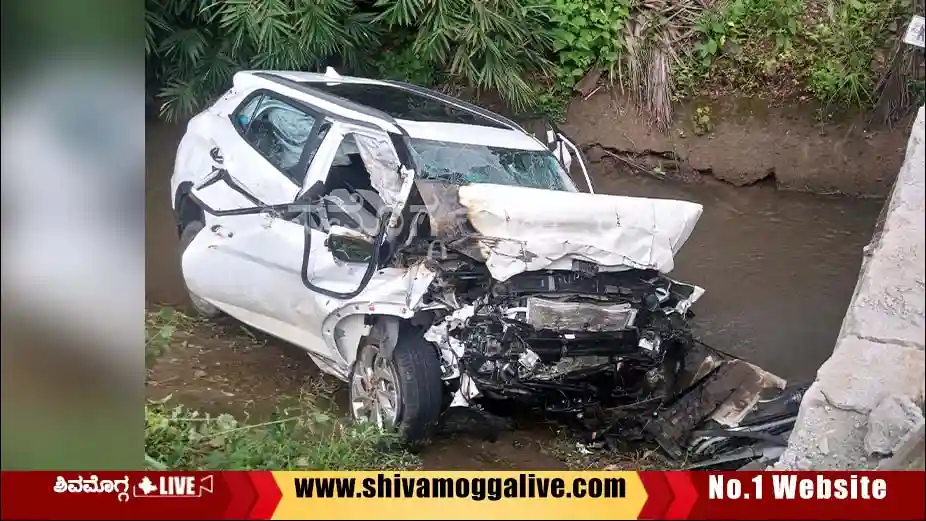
[555,144]
[566,151]
[349,245]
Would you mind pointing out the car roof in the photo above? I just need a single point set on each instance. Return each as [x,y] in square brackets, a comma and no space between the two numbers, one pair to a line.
[422,113]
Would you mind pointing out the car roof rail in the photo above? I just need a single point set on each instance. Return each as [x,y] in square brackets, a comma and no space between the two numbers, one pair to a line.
[463,105]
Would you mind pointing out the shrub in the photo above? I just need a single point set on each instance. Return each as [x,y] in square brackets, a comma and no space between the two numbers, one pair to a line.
[587,33]
[842,48]
[194,46]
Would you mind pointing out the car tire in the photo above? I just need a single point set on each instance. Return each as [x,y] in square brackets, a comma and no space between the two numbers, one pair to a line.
[202,307]
[417,371]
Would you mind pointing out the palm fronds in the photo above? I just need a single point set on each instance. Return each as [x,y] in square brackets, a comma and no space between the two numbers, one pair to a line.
[193,46]
[653,34]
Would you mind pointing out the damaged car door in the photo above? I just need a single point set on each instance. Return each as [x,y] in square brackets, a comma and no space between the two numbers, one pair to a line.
[357,182]
[245,258]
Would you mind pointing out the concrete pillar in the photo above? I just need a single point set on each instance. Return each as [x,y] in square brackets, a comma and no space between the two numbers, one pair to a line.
[865,410]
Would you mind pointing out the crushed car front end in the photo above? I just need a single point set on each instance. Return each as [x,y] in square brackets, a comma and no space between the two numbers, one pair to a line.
[532,302]
[559,302]
[563,341]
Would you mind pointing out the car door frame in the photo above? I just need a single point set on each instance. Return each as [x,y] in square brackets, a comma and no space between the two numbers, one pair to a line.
[232,225]
[329,315]
[385,292]
[242,187]
[562,147]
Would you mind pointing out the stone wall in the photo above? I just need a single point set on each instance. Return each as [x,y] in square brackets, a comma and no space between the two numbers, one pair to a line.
[865,409]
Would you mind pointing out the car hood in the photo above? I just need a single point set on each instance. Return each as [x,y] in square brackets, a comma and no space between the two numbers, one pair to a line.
[514,229]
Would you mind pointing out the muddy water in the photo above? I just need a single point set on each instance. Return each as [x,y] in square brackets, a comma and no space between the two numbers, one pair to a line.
[778,268]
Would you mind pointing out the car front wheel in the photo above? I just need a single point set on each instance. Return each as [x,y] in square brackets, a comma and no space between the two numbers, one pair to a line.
[400,393]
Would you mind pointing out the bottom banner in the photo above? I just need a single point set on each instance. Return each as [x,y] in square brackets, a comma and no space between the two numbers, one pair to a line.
[463,495]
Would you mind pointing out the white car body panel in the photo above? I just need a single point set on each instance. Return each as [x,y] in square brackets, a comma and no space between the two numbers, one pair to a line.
[547,229]
[250,266]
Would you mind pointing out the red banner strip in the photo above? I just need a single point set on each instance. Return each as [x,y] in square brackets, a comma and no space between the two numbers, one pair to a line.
[784,495]
[139,495]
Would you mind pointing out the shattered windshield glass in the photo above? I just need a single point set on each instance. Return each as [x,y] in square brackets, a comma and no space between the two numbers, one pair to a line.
[464,163]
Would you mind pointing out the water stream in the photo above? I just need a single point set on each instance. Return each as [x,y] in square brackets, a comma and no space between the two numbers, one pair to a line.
[779,267]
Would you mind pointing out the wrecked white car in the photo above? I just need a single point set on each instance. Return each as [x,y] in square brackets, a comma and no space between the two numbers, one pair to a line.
[429,252]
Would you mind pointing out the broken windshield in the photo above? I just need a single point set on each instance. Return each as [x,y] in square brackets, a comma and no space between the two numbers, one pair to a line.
[464,163]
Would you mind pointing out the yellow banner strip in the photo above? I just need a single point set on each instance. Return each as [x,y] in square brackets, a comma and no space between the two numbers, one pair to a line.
[459,495]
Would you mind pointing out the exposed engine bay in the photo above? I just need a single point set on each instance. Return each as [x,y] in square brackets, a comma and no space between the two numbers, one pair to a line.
[609,351]
[562,341]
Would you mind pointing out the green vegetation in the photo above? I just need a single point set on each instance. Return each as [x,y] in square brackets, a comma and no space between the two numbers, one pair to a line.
[302,436]
[533,52]
[842,52]
[587,33]
[786,48]
[177,437]
[702,121]
[193,46]
[160,326]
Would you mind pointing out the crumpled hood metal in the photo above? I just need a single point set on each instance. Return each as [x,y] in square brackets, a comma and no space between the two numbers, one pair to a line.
[515,229]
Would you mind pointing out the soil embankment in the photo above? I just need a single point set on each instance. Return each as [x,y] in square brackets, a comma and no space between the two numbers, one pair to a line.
[744,141]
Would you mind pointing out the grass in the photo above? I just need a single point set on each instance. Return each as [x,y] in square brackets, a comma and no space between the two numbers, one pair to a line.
[160,327]
[661,52]
[177,437]
[302,435]
[828,50]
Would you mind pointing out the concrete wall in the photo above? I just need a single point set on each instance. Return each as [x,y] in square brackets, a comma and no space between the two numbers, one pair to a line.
[865,409]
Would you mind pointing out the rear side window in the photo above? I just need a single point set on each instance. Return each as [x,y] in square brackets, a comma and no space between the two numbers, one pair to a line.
[279,131]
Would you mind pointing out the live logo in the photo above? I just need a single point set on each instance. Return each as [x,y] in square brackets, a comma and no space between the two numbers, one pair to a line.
[175,486]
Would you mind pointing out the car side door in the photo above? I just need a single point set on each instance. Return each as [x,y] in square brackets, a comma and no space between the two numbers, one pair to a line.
[240,262]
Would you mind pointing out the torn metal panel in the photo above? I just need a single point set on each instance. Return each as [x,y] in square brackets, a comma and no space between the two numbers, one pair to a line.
[451,349]
[383,165]
[448,219]
[672,425]
[757,385]
[735,413]
[516,229]
[387,177]
[761,436]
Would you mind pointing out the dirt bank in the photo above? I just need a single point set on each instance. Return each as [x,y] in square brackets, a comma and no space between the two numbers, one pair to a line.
[744,141]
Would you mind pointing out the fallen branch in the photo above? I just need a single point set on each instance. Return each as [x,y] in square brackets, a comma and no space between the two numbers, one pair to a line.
[635,165]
